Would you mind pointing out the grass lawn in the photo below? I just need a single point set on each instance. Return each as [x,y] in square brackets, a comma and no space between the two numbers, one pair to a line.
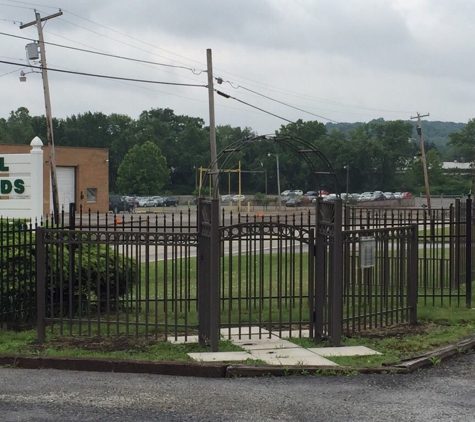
[437,326]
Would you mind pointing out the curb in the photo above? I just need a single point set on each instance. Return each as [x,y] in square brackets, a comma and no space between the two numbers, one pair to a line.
[217,370]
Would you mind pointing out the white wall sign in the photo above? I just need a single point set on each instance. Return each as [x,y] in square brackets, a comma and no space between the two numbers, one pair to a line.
[21,183]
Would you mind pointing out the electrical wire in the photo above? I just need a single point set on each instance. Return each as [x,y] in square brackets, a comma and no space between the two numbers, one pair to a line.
[235,87]
[287,105]
[253,106]
[13,71]
[118,78]
[313,99]
[193,70]
[106,54]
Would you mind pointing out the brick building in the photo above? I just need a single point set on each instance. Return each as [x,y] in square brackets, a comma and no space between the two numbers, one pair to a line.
[82,174]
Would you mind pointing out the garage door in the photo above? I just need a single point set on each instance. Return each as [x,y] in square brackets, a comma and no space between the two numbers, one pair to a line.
[66,187]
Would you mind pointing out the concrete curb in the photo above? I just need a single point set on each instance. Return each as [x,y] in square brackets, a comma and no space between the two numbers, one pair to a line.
[218,370]
[190,369]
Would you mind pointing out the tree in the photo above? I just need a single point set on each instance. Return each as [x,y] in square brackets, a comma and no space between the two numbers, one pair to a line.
[464,141]
[143,171]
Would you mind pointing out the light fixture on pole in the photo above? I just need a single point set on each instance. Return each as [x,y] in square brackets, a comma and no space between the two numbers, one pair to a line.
[278,178]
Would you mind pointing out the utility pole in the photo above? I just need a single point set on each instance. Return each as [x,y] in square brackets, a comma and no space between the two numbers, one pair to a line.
[423,157]
[212,125]
[49,118]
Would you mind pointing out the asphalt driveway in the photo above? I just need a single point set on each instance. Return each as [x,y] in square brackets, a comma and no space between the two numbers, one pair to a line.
[444,393]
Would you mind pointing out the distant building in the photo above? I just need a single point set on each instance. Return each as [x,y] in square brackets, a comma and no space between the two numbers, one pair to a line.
[454,167]
[82,174]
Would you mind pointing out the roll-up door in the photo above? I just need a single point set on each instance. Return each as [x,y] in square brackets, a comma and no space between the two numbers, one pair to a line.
[66,177]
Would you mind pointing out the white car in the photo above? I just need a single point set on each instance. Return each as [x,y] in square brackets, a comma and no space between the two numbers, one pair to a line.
[298,192]
[142,201]
[237,198]
[286,193]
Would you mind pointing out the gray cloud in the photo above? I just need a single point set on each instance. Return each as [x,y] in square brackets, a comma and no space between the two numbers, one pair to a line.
[393,55]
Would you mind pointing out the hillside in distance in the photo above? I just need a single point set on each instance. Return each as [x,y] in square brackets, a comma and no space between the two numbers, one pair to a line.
[433,131]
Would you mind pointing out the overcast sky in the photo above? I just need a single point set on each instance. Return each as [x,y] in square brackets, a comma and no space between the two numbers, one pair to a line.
[343,60]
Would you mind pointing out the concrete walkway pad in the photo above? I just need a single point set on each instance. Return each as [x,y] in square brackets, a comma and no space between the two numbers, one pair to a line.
[221,356]
[344,351]
[263,344]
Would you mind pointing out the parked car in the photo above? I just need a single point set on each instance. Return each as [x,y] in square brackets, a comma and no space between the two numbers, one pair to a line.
[330,197]
[293,202]
[132,200]
[378,195]
[169,201]
[298,192]
[237,198]
[406,195]
[226,198]
[389,195]
[117,203]
[142,200]
[286,193]
[150,202]
[312,193]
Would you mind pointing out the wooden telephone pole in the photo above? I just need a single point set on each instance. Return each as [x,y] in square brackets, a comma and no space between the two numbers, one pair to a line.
[212,125]
[423,157]
[49,118]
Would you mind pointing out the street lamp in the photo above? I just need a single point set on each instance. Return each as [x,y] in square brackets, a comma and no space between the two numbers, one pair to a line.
[278,178]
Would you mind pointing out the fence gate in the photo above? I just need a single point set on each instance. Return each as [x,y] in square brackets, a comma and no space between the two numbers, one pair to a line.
[208,272]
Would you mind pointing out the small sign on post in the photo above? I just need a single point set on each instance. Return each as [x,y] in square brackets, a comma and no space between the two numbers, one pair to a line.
[367,252]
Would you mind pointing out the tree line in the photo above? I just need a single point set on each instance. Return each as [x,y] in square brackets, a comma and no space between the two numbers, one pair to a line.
[161,152]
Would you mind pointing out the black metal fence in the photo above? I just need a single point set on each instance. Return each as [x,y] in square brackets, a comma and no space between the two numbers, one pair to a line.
[140,275]
[444,273]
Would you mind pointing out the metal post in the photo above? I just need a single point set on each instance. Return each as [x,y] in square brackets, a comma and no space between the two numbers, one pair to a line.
[336,284]
[214,277]
[468,253]
[40,284]
[413,282]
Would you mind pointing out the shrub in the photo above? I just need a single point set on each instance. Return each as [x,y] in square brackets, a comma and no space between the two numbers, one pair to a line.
[98,274]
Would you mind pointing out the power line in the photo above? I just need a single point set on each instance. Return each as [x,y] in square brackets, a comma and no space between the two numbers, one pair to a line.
[107,54]
[336,103]
[287,105]
[13,71]
[122,34]
[193,70]
[107,76]
[253,106]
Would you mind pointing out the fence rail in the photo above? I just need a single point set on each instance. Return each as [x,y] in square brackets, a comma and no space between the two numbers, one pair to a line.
[138,275]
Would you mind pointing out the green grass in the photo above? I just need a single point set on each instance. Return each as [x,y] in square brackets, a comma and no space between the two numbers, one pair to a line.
[249,277]
[131,348]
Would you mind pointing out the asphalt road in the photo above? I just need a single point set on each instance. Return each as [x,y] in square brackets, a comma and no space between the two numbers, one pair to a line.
[444,393]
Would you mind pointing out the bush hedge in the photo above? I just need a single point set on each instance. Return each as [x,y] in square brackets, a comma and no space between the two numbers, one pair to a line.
[100,277]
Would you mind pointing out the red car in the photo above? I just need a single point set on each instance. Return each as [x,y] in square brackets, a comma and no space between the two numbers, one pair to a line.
[406,195]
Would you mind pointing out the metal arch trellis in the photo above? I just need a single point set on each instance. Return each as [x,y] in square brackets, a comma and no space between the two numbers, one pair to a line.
[303,148]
